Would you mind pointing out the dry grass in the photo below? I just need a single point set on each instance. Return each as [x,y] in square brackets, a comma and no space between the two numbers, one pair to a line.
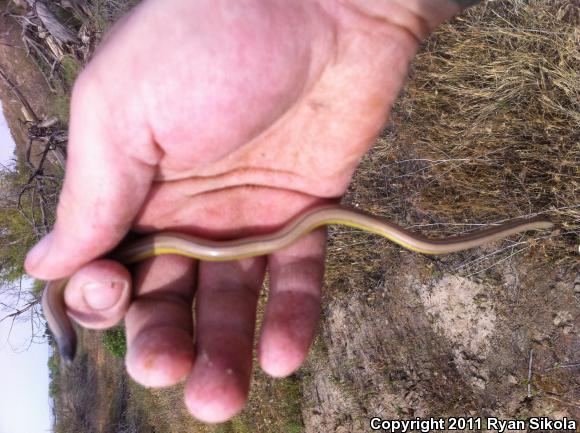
[106,12]
[494,111]
[487,129]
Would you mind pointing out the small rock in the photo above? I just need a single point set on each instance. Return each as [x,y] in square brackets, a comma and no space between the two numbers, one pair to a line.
[562,318]
[478,382]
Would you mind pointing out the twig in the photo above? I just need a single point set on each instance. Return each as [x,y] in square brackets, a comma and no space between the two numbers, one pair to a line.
[563,366]
[496,263]
[530,373]
[32,199]
[40,167]
[511,246]
[28,42]
[11,46]
[562,401]
[18,95]
[486,256]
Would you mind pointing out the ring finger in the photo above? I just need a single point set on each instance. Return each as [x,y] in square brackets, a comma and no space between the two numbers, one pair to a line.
[225,318]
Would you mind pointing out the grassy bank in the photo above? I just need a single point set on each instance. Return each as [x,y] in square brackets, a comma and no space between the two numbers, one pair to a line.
[486,129]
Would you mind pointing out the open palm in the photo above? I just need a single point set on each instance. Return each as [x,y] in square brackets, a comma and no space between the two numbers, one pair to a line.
[223,120]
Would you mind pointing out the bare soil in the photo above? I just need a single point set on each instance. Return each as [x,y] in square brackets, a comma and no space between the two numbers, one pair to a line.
[428,342]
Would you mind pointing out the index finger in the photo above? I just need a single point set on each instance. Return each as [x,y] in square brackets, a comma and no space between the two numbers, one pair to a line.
[106,183]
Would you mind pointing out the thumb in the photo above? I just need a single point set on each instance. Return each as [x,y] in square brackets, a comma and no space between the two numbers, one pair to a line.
[104,188]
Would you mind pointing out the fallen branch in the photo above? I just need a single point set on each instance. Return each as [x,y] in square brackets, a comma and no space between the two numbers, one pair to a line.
[62,34]
[19,96]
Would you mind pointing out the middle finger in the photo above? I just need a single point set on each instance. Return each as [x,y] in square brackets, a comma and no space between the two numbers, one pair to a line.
[159,322]
[225,319]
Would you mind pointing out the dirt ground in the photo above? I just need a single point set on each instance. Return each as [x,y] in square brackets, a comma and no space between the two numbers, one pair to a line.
[430,342]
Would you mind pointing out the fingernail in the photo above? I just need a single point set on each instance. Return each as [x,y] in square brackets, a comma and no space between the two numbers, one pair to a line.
[104,294]
[37,254]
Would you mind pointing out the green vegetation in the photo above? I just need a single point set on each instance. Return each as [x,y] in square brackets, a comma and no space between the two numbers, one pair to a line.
[53,365]
[70,68]
[114,341]
[54,390]
[38,287]
[18,216]
[60,101]
[275,405]
[104,13]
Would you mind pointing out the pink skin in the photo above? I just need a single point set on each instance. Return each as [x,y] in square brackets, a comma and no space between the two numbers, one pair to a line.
[221,119]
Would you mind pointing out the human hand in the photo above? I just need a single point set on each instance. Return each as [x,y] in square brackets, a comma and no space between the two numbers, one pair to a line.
[221,120]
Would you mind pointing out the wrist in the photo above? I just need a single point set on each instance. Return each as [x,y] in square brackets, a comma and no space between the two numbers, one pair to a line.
[417,17]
